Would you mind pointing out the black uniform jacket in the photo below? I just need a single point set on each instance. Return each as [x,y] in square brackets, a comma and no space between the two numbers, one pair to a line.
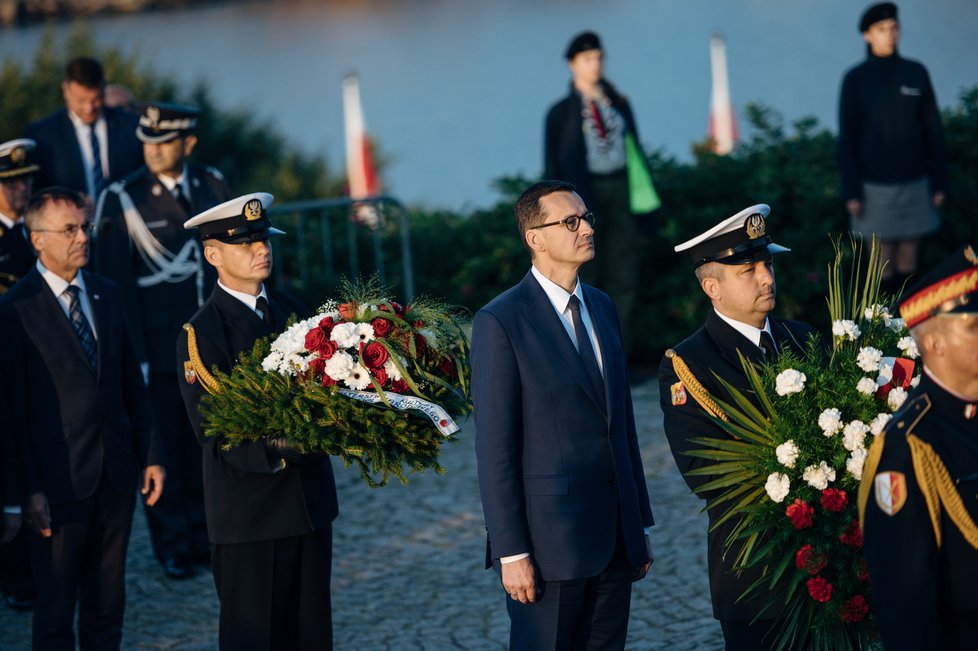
[925,593]
[713,349]
[60,157]
[157,312]
[246,497]
[16,255]
[73,423]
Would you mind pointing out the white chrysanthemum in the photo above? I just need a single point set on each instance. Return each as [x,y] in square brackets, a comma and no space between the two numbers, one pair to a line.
[819,476]
[429,336]
[909,347]
[866,385]
[914,382]
[896,324]
[339,366]
[854,435]
[846,328]
[358,379]
[869,358]
[787,454]
[391,370]
[351,335]
[855,463]
[294,364]
[830,421]
[777,486]
[789,381]
[896,397]
[272,362]
[877,424]
[876,311]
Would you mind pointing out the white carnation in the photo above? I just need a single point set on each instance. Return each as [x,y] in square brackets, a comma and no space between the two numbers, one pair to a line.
[896,397]
[866,385]
[391,370]
[869,358]
[846,328]
[339,366]
[909,347]
[886,371]
[787,454]
[830,421]
[789,381]
[877,424]
[430,337]
[914,382]
[896,324]
[272,361]
[819,476]
[351,335]
[854,435]
[855,463]
[876,311]
[777,486]
[358,379]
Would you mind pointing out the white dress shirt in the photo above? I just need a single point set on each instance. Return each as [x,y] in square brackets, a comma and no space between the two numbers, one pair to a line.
[58,285]
[83,134]
[749,331]
[7,221]
[247,299]
[169,182]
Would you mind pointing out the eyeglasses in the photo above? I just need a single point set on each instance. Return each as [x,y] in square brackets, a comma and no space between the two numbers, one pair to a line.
[573,222]
[70,231]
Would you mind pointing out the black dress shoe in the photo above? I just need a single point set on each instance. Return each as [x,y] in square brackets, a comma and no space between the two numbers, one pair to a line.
[20,600]
[178,567]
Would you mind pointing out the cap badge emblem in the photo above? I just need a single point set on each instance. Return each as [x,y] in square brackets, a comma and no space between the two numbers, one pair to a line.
[754,226]
[252,210]
[18,155]
[153,114]
[969,255]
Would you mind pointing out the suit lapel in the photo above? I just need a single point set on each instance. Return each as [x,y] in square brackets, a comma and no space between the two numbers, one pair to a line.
[243,325]
[49,314]
[541,315]
[729,341]
[100,314]
[68,135]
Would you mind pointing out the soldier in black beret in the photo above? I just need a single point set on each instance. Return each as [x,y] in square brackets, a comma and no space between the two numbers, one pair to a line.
[918,501]
[734,265]
[142,245]
[17,170]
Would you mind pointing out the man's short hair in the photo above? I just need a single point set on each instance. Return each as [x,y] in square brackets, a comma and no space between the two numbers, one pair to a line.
[709,270]
[85,71]
[38,203]
[528,210]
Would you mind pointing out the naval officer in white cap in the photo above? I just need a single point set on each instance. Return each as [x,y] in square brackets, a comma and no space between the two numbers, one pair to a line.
[734,266]
[269,507]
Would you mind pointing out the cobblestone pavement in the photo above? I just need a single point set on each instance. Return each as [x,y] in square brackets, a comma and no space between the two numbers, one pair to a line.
[407,567]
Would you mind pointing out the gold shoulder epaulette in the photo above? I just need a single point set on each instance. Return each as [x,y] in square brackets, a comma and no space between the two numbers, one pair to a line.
[939,491]
[208,381]
[693,386]
[869,472]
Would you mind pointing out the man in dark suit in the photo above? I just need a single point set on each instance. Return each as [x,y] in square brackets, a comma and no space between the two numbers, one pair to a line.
[269,507]
[563,490]
[17,170]
[83,428]
[918,502]
[735,269]
[85,145]
[142,245]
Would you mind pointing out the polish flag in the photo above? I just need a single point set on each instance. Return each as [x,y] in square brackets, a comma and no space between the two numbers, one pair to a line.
[723,121]
[360,172]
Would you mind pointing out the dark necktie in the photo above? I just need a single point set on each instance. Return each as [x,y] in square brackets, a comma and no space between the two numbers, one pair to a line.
[265,310]
[182,199]
[584,347]
[98,180]
[597,119]
[81,326]
[767,346]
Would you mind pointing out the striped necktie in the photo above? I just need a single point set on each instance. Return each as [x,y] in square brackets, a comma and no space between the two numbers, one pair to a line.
[81,326]
[98,180]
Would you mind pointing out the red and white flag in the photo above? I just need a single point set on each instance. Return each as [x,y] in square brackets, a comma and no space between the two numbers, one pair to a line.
[360,171]
[723,121]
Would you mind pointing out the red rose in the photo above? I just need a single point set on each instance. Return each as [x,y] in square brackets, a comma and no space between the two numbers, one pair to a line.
[800,514]
[380,375]
[419,323]
[420,343]
[863,574]
[855,610]
[834,500]
[328,348]
[853,535]
[327,323]
[328,381]
[819,589]
[348,311]
[400,386]
[810,560]
[374,355]
[446,367]
[382,327]
[315,339]
[317,367]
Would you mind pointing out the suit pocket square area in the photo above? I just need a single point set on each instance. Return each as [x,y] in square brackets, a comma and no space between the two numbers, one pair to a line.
[545,485]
